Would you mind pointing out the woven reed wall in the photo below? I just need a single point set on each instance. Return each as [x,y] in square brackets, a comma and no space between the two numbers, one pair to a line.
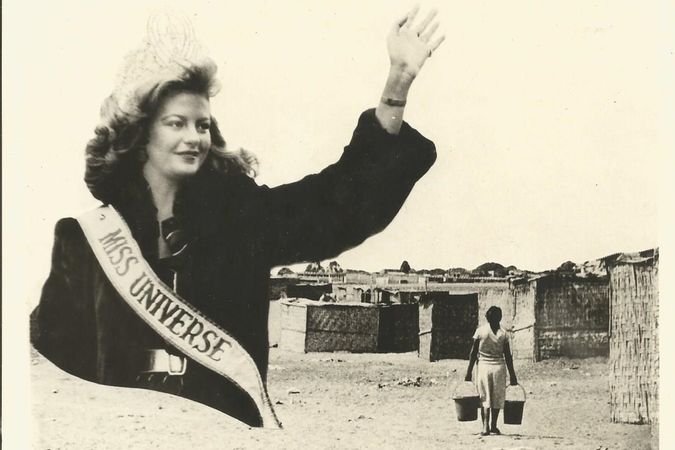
[309,326]
[342,327]
[447,323]
[633,342]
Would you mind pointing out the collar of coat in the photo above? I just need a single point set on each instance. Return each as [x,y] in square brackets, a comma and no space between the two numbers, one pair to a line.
[202,204]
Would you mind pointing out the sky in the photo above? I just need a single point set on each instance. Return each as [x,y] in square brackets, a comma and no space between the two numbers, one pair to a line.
[547,117]
[552,121]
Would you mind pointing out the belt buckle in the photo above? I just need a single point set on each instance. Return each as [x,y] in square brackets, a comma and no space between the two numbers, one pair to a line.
[177,361]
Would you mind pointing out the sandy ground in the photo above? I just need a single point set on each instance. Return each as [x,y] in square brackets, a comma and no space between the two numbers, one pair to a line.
[343,401]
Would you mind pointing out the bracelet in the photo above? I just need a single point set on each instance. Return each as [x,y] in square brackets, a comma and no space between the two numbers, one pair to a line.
[393,102]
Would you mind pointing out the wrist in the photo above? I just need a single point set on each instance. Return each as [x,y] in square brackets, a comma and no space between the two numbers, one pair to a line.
[398,83]
[402,72]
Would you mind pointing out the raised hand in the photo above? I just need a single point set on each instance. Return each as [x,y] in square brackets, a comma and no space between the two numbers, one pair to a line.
[410,45]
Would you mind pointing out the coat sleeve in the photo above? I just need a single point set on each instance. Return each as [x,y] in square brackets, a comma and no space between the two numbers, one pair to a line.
[63,323]
[324,214]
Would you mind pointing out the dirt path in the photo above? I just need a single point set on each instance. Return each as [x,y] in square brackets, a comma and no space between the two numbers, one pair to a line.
[343,401]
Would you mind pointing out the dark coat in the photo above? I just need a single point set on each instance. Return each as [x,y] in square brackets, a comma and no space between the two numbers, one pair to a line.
[237,231]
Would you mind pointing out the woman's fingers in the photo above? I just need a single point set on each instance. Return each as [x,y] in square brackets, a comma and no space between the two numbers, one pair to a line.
[411,16]
[401,21]
[410,44]
[436,44]
[425,23]
[430,32]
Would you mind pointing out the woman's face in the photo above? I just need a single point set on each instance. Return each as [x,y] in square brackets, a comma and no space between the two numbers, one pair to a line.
[179,137]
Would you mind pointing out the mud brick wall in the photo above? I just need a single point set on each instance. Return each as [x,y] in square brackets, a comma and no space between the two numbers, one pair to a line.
[577,344]
[571,317]
[524,297]
[495,293]
[274,323]
[293,326]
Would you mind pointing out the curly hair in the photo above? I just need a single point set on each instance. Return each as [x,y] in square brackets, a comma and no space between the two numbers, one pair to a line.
[118,148]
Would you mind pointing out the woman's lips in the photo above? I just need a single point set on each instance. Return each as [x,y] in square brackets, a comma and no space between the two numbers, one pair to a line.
[193,153]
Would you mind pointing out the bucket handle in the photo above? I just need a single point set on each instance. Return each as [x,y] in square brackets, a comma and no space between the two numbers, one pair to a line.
[464,383]
[521,388]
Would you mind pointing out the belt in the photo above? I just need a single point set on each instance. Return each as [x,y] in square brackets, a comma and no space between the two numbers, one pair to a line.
[160,361]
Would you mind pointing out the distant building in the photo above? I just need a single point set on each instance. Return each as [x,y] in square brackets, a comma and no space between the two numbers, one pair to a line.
[389,276]
[312,291]
[354,277]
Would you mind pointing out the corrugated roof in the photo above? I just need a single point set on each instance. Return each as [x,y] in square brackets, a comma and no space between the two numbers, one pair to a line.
[645,256]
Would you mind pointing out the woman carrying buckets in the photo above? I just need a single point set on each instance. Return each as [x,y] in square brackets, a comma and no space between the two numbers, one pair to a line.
[492,351]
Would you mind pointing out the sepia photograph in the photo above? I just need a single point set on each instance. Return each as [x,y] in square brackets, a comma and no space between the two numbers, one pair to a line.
[300,224]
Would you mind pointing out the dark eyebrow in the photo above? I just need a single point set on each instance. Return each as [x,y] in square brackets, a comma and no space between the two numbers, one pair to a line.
[180,116]
[172,115]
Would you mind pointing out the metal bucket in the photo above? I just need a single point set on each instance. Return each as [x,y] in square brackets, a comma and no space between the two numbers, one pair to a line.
[466,404]
[513,409]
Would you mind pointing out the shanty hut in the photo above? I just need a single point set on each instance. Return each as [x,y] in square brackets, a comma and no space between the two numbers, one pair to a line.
[633,342]
[447,323]
[311,326]
[557,314]
[398,328]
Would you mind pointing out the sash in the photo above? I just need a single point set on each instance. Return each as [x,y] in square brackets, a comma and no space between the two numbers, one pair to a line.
[166,312]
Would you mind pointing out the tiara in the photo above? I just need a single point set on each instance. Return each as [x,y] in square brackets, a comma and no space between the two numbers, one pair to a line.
[169,48]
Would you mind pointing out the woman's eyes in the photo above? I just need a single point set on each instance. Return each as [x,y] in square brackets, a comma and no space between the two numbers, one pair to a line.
[175,124]
[202,127]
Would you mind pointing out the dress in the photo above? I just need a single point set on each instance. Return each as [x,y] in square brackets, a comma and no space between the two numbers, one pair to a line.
[491,368]
[237,231]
